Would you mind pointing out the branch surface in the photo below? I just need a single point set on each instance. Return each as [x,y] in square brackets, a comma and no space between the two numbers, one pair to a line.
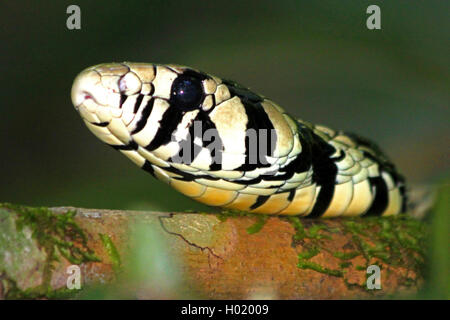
[198,255]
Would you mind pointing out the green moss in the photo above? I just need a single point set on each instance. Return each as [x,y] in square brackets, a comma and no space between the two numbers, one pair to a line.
[308,254]
[346,255]
[112,252]
[257,226]
[396,241]
[225,214]
[305,264]
[360,268]
[313,232]
[56,234]
[13,292]
[254,228]
[300,232]
[388,238]
[344,265]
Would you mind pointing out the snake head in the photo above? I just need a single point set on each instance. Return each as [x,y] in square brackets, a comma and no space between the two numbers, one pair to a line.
[143,104]
[166,110]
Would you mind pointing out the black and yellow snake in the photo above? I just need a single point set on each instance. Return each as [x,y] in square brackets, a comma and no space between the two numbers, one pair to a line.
[223,145]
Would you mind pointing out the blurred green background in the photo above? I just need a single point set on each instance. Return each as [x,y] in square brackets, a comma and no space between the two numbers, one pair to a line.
[316,59]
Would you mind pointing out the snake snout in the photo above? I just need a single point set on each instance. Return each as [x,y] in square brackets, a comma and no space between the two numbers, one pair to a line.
[90,91]
[84,87]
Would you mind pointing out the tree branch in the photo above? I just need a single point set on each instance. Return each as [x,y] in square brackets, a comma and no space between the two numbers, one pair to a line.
[225,256]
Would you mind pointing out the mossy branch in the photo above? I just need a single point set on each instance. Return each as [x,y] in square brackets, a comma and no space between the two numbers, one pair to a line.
[226,256]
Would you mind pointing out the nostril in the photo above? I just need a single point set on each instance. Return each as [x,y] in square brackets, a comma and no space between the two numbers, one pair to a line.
[84,83]
[87,96]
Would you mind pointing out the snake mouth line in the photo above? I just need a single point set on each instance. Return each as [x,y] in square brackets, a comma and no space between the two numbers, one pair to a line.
[90,106]
[100,124]
[87,97]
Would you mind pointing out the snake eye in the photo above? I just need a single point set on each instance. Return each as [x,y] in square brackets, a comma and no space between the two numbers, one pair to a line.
[187,92]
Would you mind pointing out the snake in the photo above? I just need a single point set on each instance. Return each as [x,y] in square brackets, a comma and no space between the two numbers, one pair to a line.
[222,144]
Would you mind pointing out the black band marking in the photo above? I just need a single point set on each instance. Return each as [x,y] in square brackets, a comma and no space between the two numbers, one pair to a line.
[123,97]
[403,194]
[324,174]
[147,166]
[152,89]
[168,124]
[100,124]
[291,195]
[132,145]
[259,202]
[302,161]
[145,114]
[195,149]
[323,200]
[242,92]
[216,154]
[257,119]
[381,200]
[189,144]
[138,103]
[185,176]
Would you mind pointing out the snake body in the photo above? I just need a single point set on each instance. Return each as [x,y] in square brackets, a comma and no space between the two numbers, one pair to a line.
[238,149]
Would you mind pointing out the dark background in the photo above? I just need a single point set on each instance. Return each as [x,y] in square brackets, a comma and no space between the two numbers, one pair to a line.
[316,59]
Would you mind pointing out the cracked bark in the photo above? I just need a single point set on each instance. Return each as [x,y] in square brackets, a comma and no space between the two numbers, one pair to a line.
[184,239]
[220,258]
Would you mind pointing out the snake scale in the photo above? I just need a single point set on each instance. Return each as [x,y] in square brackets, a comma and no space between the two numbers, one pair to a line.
[224,145]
